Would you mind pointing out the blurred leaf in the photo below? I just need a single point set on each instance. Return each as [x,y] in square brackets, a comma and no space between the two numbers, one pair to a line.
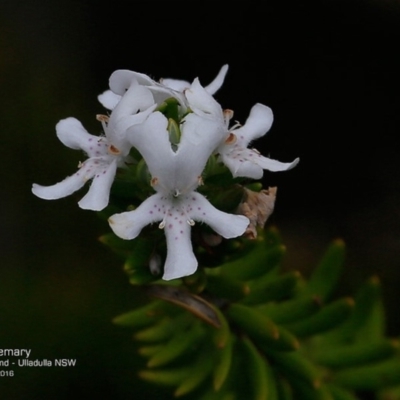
[324,278]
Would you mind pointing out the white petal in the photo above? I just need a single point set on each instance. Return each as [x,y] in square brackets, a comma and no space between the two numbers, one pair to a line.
[136,98]
[109,99]
[257,124]
[180,258]
[68,185]
[98,195]
[212,88]
[242,167]
[206,134]
[227,225]
[121,80]
[250,164]
[274,165]
[129,121]
[215,85]
[201,102]
[128,225]
[200,138]
[59,190]
[152,140]
[126,114]
[72,133]
[162,93]
[175,84]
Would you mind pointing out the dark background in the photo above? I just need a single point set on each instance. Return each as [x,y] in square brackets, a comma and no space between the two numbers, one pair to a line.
[330,70]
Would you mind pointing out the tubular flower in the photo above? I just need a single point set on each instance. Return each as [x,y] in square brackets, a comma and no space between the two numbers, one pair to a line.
[105,153]
[175,177]
[246,162]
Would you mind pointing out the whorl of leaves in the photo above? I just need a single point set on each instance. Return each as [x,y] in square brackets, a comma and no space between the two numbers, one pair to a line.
[245,329]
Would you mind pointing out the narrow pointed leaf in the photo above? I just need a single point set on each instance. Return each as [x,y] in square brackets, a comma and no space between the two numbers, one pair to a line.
[258,373]
[252,322]
[291,310]
[223,364]
[356,354]
[198,373]
[325,277]
[181,342]
[327,318]
[259,262]
[371,376]
[268,288]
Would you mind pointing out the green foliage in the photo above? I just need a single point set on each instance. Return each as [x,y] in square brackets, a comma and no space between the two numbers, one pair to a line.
[241,327]
[246,329]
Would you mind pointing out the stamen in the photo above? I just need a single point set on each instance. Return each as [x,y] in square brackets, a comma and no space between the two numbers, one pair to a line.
[228,114]
[177,193]
[102,118]
[200,181]
[154,181]
[231,139]
[113,150]
[237,125]
[190,222]
[162,224]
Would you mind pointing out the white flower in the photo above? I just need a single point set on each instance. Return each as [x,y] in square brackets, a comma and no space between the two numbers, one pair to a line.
[120,81]
[175,162]
[249,162]
[211,88]
[175,177]
[105,153]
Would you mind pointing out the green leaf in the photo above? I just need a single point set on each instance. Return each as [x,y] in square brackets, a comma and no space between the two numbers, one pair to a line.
[296,365]
[291,310]
[143,316]
[120,246]
[339,393]
[303,390]
[259,373]
[223,364]
[183,341]
[371,376]
[272,288]
[325,277]
[199,371]
[255,324]
[327,318]
[257,263]
[137,264]
[159,332]
[226,287]
[356,354]
[169,377]
[366,322]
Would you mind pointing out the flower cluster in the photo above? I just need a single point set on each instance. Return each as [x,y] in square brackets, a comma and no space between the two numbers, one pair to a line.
[175,150]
